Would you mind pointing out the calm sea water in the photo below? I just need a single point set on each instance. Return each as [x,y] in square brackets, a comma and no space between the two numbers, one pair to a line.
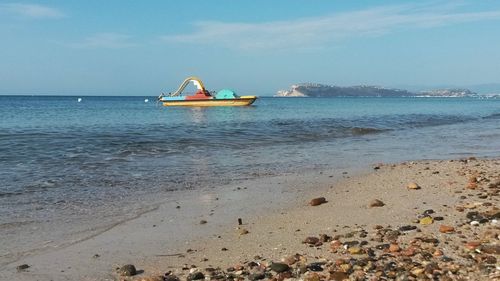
[68,162]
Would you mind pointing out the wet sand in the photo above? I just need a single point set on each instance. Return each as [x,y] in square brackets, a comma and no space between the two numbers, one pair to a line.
[445,228]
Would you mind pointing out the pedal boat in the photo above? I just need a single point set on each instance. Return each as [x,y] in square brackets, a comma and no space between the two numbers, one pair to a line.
[202,97]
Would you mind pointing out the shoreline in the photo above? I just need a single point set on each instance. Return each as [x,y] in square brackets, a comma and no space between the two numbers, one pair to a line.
[169,225]
[277,218]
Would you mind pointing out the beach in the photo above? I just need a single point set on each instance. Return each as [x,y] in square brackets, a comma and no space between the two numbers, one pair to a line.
[433,219]
[249,140]
[164,189]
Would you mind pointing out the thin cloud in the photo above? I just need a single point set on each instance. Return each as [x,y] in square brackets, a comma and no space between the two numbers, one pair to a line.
[32,11]
[318,32]
[105,40]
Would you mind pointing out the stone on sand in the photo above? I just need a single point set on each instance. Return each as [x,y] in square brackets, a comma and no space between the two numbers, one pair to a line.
[446,229]
[311,240]
[195,276]
[376,203]
[339,276]
[22,267]
[393,248]
[127,270]
[171,277]
[413,185]
[279,267]
[355,250]
[317,201]
[491,249]
[426,221]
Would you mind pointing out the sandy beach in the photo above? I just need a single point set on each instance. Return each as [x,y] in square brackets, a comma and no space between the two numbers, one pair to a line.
[407,221]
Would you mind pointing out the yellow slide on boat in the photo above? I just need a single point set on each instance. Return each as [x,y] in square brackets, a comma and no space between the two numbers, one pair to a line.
[203,97]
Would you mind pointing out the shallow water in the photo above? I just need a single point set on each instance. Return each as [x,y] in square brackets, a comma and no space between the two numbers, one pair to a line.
[68,166]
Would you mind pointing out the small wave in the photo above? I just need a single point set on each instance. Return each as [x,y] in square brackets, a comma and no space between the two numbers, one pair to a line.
[493,116]
[14,224]
[10,193]
[426,120]
[360,131]
[102,145]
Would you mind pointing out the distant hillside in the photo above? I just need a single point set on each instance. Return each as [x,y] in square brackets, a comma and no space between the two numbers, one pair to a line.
[320,90]
[481,89]
[456,93]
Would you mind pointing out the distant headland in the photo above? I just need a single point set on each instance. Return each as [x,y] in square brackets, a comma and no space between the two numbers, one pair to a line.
[321,90]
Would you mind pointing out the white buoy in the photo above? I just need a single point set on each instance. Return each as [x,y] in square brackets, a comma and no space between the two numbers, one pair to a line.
[146,100]
[79,99]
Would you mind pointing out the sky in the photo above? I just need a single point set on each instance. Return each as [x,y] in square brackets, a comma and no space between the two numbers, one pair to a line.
[125,47]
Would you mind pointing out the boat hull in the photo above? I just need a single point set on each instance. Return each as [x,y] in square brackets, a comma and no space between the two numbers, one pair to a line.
[242,101]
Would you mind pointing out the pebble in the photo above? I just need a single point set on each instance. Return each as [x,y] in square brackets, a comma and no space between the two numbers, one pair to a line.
[195,276]
[325,238]
[413,185]
[446,229]
[355,250]
[491,249]
[472,185]
[315,266]
[472,245]
[426,221]
[22,267]
[171,277]
[447,259]
[317,201]
[428,212]
[393,248]
[474,216]
[392,235]
[488,259]
[279,267]
[410,251]
[351,243]
[407,228]
[338,276]
[203,222]
[417,271]
[312,277]
[335,245]
[376,203]
[127,270]
[345,267]
[382,246]
[428,240]
[437,253]
[311,240]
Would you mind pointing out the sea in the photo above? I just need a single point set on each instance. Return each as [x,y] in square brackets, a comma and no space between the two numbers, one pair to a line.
[72,165]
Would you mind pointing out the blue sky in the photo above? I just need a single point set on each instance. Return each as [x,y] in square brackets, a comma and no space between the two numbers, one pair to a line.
[121,47]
